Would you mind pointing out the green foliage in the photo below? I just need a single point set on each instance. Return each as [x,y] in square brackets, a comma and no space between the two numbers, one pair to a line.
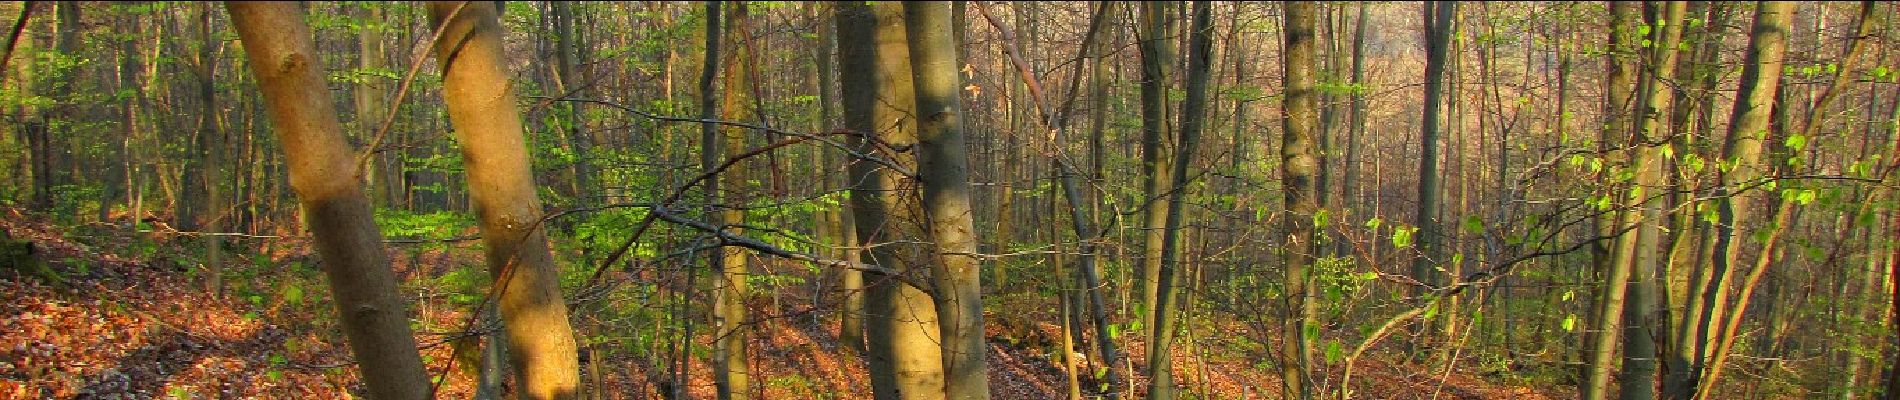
[437,225]
[1402,236]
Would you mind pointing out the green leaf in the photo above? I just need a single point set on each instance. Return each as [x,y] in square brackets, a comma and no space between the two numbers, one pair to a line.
[293,293]
[1570,323]
[1796,141]
[1402,237]
[1333,352]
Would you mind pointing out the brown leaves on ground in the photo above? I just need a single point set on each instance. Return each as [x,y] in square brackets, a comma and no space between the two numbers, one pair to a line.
[128,328]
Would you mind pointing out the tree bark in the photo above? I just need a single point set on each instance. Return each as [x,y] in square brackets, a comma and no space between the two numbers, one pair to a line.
[944,174]
[731,373]
[1742,150]
[481,105]
[1160,360]
[1645,205]
[901,329]
[1157,60]
[1438,20]
[373,314]
[1301,166]
[1615,265]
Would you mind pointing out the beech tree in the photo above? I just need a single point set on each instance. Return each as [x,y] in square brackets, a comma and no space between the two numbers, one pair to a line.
[480,102]
[375,317]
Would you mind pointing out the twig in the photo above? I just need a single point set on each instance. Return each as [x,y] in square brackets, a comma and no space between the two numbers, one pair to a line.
[402,90]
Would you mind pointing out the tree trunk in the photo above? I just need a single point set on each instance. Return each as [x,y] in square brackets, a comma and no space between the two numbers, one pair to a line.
[1782,206]
[1645,213]
[1615,267]
[1748,128]
[1301,166]
[731,374]
[211,142]
[901,329]
[844,231]
[373,313]
[1156,33]
[481,105]
[1438,19]
[567,58]
[944,174]
[371,106]
[1160,361]
[1356,127]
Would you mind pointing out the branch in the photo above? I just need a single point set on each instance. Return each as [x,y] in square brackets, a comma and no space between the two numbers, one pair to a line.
[19,28]
[402,90]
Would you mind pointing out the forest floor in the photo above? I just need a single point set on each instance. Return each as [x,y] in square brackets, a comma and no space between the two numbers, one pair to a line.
[125,321]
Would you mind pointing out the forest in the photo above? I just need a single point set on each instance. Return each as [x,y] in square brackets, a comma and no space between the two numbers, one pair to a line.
[1681,200]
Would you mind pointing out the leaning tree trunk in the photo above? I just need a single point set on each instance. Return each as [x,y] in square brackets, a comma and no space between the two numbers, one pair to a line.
[481,105]
[1607,321]
[1748,129]
[1726,331]
[373,314]
[944,170]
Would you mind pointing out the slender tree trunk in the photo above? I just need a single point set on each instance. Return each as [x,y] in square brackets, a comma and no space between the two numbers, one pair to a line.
[1645,212]
[1438,19]
[1160,360]
[708,157]
[731,373]
[1781,208]
[1607,322]
[851,317]
[1349,183]
[211,142]
[30,125]
[371,108]
[901,329]
[482,106]
[567,59]
[374,316]
[1742,149]
[1688,252]
[1157,58]
[1301,166]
